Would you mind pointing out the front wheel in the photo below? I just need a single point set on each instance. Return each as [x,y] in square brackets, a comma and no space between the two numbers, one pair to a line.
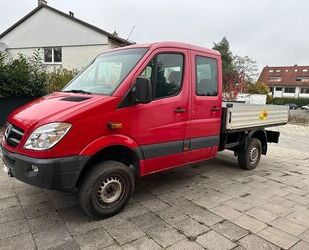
[249,158]
[106,189]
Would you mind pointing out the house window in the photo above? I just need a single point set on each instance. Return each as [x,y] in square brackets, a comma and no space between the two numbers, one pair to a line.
[271,71]
[278,70]
[286,70]
[305,70]
[304,91]
[278,88]
[53,55]
[274,79]
[302,79]
[289,90]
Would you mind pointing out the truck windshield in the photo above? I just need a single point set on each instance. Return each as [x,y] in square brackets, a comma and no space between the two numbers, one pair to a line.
[106,72]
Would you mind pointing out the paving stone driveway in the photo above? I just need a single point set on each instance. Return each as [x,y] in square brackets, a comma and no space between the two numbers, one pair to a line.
[213,205]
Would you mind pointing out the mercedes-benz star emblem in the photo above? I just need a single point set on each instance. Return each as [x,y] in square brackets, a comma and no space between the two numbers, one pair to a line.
[7,131]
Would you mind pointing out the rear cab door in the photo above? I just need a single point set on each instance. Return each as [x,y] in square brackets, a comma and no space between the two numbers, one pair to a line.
[205,105]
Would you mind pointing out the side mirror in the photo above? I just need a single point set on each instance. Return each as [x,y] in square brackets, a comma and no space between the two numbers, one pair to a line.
[143,90]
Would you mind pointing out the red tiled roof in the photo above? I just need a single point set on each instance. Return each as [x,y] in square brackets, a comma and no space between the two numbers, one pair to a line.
[288,75]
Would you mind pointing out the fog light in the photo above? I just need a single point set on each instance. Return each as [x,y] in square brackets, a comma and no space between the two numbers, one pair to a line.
[34,168]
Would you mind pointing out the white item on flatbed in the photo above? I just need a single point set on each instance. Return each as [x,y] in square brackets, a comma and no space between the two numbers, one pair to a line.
[240,116]
[252,98]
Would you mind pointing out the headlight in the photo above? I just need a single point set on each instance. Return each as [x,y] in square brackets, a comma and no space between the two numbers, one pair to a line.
[47,136]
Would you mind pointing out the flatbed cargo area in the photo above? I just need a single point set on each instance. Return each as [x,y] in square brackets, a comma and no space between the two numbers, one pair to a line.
[243,116]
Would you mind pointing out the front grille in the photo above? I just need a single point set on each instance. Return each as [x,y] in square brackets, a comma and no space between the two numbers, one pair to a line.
[13,135]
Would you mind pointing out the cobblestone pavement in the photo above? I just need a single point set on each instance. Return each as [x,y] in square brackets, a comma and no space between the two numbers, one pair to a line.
[213,205]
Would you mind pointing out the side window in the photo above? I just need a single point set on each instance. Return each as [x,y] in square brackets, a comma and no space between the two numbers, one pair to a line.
[165,72]
[147,72]
[206,76]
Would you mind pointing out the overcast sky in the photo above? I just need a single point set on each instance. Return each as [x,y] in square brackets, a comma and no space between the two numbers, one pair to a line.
[272,32]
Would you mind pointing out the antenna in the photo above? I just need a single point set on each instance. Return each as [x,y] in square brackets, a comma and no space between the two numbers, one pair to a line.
[3,47]
[131,32]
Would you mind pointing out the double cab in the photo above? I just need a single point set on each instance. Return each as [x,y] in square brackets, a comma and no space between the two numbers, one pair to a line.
[134,111]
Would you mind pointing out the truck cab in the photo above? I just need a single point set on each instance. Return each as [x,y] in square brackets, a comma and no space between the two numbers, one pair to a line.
[133,111]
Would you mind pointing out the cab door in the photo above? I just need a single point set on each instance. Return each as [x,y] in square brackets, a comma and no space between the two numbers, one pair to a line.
[160,127]
[206,105]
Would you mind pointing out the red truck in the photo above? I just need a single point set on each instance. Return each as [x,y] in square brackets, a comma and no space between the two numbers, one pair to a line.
[133,111]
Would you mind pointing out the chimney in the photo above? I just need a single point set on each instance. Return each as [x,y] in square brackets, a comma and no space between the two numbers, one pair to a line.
[295,65]
[42,2]
[71,14]
[115,33]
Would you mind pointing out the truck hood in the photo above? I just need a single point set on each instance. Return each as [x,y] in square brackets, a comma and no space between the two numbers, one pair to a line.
[51,108]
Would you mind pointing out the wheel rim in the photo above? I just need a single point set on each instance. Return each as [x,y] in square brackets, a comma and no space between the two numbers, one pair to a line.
[253,155]
[110,191]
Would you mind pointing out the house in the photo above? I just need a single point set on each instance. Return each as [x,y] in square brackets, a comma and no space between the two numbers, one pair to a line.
[288,81]
[64,40]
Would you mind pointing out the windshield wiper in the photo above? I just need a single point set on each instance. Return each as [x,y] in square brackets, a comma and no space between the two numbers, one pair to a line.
[77,91]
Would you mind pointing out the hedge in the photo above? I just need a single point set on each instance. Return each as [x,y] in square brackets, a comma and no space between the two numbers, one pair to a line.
[59,78]
[282,101]
[28,77]
[22,77]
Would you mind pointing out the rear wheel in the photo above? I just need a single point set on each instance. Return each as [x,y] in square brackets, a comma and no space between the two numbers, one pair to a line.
[106,189]
[249,158]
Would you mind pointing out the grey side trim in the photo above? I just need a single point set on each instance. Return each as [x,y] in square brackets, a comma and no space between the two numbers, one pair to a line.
[204,142]
[162,149]
[138,152]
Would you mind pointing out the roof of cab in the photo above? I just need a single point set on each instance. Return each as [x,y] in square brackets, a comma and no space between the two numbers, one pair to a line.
[171,44]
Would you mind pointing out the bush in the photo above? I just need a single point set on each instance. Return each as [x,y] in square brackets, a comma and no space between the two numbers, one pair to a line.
[282,101]
[28,77]
[22,77]
[59,78]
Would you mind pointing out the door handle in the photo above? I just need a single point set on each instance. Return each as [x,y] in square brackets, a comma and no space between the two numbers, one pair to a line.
[215,109]
[179,110]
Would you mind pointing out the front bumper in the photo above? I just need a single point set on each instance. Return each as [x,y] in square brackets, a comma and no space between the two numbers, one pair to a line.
[57,174]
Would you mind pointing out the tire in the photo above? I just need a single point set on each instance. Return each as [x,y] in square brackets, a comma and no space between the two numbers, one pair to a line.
[249,158]
[106,189]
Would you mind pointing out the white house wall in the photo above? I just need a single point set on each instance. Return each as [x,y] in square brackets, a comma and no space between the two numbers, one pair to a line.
[297,93]
[78,57]
[47,29]
[303,95]
[289,95]
[277,93]
[73,57]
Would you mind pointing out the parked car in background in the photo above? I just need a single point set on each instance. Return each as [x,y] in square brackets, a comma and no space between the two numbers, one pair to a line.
[292,105]
[306,107]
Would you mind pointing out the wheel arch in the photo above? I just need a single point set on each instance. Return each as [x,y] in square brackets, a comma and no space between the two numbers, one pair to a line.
[117,148]
[261,135]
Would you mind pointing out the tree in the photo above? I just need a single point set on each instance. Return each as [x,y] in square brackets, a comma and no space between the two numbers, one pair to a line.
[246,70]
[228,70]
[237,71]
[258,88]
